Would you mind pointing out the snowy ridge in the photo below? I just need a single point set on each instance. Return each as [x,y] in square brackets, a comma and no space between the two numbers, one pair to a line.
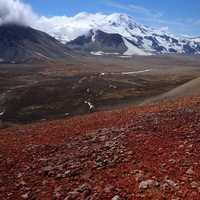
[138,39]
[133,50]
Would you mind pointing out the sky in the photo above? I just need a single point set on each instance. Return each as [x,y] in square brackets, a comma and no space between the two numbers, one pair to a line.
[176,16]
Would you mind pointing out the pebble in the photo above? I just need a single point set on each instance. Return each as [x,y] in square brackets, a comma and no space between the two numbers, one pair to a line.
[194,184]
[116,197]
[190,171]
[84,187]
[26,196]
[72,196]
[139,175]
[147,184]
[168,183]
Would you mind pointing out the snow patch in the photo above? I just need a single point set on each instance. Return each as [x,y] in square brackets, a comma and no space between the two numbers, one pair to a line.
[133,50]
[1,114]
[93,36]
[136,72]
[100,53]
[97,53]
[41,55]
[91,106]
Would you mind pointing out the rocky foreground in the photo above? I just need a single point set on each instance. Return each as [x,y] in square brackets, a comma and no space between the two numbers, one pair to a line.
[149,152]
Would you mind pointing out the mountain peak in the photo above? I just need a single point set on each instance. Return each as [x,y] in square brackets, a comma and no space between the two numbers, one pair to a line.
[89,16]
[118,19]
[135,35]
[82,15]
[121,17]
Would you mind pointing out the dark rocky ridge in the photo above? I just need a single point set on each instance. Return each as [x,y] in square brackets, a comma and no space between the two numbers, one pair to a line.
[23,44]
[98,41]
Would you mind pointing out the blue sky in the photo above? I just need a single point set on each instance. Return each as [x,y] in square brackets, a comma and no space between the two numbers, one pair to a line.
[178,16]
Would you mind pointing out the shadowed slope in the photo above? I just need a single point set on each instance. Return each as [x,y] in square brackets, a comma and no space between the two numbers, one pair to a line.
[20,44]
[191,88]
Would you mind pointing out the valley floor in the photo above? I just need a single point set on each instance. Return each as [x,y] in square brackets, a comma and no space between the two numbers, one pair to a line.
[149,152]
[81,85]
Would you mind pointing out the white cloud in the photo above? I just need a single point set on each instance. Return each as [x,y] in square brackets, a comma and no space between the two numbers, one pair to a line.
[164,28]
[18,12]
[15,11]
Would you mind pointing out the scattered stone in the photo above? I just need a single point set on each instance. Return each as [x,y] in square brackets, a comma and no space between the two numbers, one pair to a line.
[66,173]
[84,187]
[108,189]
[59,176]
[19,175]
[22,182]
[25,196]
[47,169]
[72,196]
[139,175]
[44,182]
[190,146]
[57,195]
[79,155]
[116,197]
[194,184]
[147,184]
[181,146]
[172,161]
[102,138]
[168,183]
[190,171]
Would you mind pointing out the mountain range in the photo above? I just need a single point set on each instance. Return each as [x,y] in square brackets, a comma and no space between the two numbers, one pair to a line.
[96,34]
[117,34]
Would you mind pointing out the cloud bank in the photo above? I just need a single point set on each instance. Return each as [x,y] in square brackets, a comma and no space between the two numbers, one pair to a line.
[16,12]
[20,13]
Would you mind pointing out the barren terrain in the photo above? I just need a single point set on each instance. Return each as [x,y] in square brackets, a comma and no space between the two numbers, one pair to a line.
[34,92]
[149,152]
[86,130]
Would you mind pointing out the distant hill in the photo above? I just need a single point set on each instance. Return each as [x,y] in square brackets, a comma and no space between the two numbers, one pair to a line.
[24,44]
[190,88]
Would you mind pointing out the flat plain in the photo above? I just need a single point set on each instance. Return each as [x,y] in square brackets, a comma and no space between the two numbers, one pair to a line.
[65,88]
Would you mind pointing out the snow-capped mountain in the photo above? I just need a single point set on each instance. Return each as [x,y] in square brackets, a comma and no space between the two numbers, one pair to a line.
[117,34]
[101,43]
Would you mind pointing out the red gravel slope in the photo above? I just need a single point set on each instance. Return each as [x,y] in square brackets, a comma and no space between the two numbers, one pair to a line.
[149,152]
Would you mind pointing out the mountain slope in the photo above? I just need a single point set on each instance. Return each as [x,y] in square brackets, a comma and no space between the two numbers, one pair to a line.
[149,152]
[148,40]
[20,43]
[99,42]
[190,88]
